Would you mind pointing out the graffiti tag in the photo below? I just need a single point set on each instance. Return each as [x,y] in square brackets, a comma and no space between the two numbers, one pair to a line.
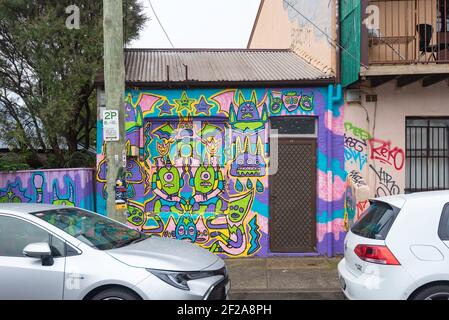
[381,150]
[361,207]
[356,144]
[357,132]
[387,186]
[356,178]
[358,158]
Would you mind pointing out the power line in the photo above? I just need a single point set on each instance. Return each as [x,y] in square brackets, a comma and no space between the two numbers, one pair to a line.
[159,21]
[167,36]
[125,24]
[332,40]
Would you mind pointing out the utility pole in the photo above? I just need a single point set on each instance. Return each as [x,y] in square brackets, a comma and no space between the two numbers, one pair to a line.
[114,115]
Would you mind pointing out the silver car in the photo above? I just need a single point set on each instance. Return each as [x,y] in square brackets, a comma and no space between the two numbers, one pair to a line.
[59,252]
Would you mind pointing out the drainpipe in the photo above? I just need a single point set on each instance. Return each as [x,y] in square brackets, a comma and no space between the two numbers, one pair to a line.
[337,48]
[334,96]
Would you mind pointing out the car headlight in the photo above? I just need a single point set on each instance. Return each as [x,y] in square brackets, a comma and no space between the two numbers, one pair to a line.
[179,279]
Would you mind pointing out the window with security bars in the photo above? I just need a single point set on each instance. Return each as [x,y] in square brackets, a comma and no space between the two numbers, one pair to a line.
[427,154]
[294,126]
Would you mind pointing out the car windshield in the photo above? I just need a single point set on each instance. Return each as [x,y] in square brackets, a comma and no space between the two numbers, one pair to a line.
[92,229]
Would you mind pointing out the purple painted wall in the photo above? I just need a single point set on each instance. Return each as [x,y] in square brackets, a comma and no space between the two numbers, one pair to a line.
[71,187]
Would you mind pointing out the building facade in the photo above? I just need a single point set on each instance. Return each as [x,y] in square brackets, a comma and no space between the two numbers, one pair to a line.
[395,69]
[204,166]
[309,28]
[393,64]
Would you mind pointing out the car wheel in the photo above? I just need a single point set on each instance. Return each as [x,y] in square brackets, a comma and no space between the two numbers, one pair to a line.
[439,292]
[116,294]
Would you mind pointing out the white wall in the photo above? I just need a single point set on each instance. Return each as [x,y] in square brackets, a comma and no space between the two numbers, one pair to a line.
[385,122]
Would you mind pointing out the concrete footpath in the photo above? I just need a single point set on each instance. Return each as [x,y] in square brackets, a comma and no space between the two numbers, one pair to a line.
[284,278]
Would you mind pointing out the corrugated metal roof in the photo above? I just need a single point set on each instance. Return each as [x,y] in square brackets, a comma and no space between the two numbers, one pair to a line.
[157,66]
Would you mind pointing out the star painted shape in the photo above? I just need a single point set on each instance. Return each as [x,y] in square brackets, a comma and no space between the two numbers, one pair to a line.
[166,108]
[185,102]
[10,193]
[202,106]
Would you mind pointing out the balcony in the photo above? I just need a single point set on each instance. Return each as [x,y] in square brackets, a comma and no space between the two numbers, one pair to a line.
[406,37]
[408,32]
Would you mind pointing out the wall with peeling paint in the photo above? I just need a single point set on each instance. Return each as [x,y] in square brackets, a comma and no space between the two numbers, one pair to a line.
[279,25]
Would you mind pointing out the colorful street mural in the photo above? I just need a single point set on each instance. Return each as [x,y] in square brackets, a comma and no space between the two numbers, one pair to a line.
[70,187]
[198,165]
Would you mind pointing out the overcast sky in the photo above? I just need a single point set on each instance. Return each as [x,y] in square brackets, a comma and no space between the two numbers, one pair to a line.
[198,23]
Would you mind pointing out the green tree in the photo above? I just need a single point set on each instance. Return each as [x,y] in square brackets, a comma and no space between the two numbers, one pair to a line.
[48,71]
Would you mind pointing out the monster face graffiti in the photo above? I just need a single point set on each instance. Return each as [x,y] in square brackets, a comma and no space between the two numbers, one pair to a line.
[235,241]
[247,163]
[247,117]
[199,163]
[208,184]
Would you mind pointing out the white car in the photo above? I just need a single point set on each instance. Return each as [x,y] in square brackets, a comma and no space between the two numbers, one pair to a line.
[59,252]
[399,249]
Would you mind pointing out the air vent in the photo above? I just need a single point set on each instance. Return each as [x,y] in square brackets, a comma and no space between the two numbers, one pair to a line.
[353,96]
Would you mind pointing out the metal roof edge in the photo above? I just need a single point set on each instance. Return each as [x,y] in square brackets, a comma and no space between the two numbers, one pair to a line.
[231,84]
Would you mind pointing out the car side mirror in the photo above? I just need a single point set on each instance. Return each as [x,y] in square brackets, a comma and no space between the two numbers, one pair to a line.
[40,250]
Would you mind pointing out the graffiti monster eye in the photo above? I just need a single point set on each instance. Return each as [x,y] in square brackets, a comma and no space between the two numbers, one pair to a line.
[168,177]
[205,176]
[191,231]
[249,161]
[181,230]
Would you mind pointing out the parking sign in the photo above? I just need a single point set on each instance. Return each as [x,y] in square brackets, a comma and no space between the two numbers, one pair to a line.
[111,130]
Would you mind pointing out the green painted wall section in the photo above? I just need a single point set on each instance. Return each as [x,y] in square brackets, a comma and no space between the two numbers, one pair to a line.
[350,40]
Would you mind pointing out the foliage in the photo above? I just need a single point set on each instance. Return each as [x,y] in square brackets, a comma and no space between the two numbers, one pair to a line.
[47,75]
[12,161]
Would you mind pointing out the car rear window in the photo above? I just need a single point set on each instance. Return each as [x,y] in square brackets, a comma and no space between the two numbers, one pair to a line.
[376,221]
[443,229]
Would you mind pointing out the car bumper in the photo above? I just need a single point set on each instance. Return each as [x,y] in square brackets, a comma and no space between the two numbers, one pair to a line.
[212,288]
[218,291]
[379,283]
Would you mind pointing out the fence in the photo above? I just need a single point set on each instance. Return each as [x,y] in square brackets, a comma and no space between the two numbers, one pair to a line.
[71,187]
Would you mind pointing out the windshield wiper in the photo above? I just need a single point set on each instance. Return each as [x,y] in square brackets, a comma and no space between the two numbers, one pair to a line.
[139,240]
[131,241]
